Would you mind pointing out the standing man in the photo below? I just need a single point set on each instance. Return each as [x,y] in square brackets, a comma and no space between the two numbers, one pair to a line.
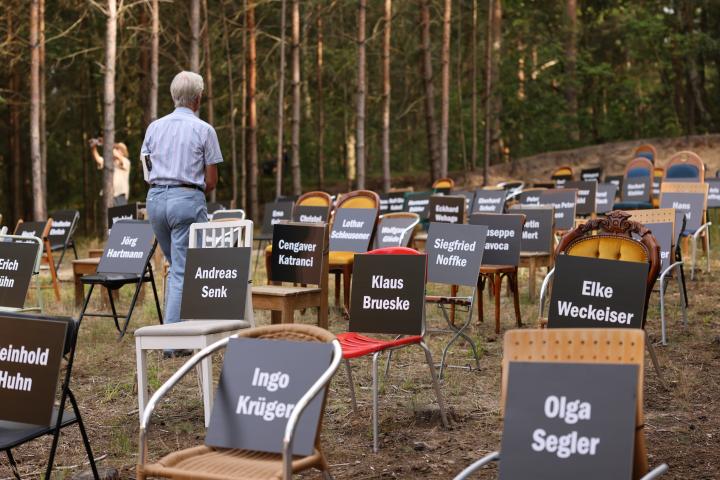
[181,153]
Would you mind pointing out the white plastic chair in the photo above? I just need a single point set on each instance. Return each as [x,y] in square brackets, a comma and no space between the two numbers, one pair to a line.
[197,334]
[36,269]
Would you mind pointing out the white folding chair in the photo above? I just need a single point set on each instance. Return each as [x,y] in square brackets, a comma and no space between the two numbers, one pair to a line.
[36,269]
[197,334]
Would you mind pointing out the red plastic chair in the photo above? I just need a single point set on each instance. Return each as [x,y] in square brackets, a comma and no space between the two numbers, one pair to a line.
[355,345]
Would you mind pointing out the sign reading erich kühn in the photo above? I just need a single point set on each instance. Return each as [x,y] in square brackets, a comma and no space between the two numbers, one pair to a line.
[17,261]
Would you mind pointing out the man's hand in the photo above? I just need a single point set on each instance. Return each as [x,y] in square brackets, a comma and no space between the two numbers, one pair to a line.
[211,178]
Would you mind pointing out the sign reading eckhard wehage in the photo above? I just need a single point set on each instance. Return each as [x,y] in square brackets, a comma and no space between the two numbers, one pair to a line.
[394,232]
[297,252]
[537,233]
[216,283]
[62,221]
[593,292]
[122,212]
[31,351]
[260,384]
[713,200]
[310,214]
[563,201]
[586,195]
[352,229]
[637,189]
[388,294]
[605,197]
[489,201]
[502,244]
[691,204]
[392,202]
[275,212]
[17,261]
[127,248]
[569,421]
[447,209]
[455,253]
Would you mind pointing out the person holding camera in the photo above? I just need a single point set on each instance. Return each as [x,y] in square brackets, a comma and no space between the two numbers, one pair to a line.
[121,172]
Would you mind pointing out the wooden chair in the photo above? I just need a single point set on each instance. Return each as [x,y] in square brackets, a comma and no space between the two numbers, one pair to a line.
[563,172]
[282,301]
[212,463]
[570,345]
[638,167]
[341,263]
[646,151]
[686,165]
[36,269]
[42,230]
[228,214]
[443,183]
[73,217]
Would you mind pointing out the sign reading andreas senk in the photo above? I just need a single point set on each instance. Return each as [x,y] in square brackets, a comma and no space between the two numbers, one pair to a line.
[297,252]
[260,384]
[592,292]
[569,421]
[352,229]
[30,354]
[17,261]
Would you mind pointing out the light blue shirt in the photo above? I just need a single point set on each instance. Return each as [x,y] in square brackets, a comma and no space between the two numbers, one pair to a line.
[180,145]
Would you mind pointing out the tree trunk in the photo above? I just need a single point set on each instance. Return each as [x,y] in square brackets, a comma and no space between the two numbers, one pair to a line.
[154,60]
[459,78]
[43,103]
[242,161]
[251,141]
[571,68]
[39,205]
[497,140]
[295,135]
[109,110]
[445,88]
[430,124]
[488,91]
[210,98]
[320,102]
[361,94]
[15,126]
[387,183]
[195,36]
[231,105]
[474,91]
[279,156]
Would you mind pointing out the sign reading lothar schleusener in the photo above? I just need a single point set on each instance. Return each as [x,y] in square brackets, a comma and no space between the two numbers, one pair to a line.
[352,229]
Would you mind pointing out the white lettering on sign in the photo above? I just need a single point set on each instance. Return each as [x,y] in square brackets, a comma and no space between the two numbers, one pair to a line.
[447,208]
[260,407]
[214,273]
[450,260]
[296,247]
[396,303]
[441,217]
[350,235]
[564,446]
[28,233]
[112,253]
[7,264]
[531,224]
[121,217]
[278,213]
[571,412]
[57,231]
[596,289]
[129,241]
[483,200]
[568,309]
[497,246]
[530,235]
[7,282]
[310,218]
[380,281]
[532,199]
[22,355]
[352,223]
[635,189]
[217,292]
[681,206]
[451,246]
[291,261]
[270,381]
[18,382]
[501,233]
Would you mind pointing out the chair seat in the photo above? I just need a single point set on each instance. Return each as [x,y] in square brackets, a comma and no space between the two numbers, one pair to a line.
[110,278]
[341,258]
[490,269]
[283,291]
[191,328]
[355,345]
[13,433]
[204,462]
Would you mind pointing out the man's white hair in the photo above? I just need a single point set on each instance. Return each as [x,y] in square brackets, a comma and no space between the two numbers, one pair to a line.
[186,88]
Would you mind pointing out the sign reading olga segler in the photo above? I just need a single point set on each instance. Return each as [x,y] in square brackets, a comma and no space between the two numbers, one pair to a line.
[17,261]
[297,252]
[593,292]
[447,209]
[352,229]
[569,421]
[30,355]
[455,253]
[260,384]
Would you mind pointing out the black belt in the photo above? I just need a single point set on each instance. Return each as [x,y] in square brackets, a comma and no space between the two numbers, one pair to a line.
[178,185]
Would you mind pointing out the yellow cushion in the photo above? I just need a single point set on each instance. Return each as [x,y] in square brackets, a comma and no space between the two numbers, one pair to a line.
[268,249]
[341,258]
[314,202]
[442,184]
[359,202]
[563,171]
[610,248]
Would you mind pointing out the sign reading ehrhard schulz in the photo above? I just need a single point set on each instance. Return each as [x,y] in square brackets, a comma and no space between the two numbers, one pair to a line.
[30,355]
[297,252]
[352,229]
[593,292]
[261,382]
[489,201]
[17,261]
[569,421]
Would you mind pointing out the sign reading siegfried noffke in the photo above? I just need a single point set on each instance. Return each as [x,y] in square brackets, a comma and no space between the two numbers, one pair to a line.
[392,202]
[566,421]
[31,351]
[637,189]
[388,294]
[455,253]
[62,221]
[597,293]
[216,283]
[713,199]
[691,204]
[417,202]
[502,243]
[591,174]
[586,195]
[394,232]
[275,212]
[352,229]
[17,261]
[489,201]
[297,252]
[563,201]
[310,214]
[127,248]
[537,233]
[663,233]
[447,209]
[122,212]
[260,385]
[605,197]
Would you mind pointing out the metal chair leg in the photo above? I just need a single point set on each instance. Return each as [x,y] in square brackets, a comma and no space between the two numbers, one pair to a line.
[375,392]
[85,303]
[436,385]
[351,384]
[459,332]
[653,358]
[131,309]
[83,433]
[683,300]
[112,308]
[387,364]
[157,298]
[13,465]
[662,310]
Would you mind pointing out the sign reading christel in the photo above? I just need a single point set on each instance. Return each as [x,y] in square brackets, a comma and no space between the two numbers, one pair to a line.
[310,214]
[352,229]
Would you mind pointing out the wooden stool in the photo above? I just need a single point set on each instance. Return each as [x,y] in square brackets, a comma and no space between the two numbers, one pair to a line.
[495,274]
[282,301]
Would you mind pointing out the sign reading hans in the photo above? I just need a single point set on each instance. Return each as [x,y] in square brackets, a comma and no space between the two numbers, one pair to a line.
[597,293]
[689,203]
[352,229]
[489,201]
[17,263]
[563,201]
[502,243]
[447,209]
[455,253]
[260,385]
[566,421]
[128,247]
[297,252]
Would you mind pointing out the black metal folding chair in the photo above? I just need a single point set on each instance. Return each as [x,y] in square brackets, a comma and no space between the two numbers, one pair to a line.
[13,435]
[63,242]
[132,271]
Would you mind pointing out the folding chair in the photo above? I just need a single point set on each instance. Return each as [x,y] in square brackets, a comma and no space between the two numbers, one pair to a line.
[137,272]
[67,240]
[567,345]
[36,269]
[211,463]
[13,435]
[355,345]
[43,228]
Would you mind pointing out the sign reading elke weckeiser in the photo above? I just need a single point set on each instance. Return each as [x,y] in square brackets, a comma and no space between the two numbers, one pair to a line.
[297,252]
[352,229]
[594,292]
[17,261]
[260,384]
[566,421]
[30,354]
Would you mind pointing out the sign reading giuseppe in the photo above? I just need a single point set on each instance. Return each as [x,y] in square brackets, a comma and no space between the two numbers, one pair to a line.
[537,231]
[690,204]
[17,261]
[637,189]
[216,283]
[352,229]
[489,201]
[569,421]
[275,212]
[586,195]
[563,201]
[127,248]
[62,222]
[597,293]
[310,214]
[447,209]
[455,253]
[297,252]
[502,243]
[31,351]
[260,384]
[394,232]
[605,198]
[388,294]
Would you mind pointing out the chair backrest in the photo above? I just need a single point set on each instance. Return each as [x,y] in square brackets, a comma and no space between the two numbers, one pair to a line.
[655,215]
[444,183]
[697,189]
[646,151]
[359,199]
[61,235]
[399,225]
[314,199]
[221,234]
[586,345]
[40,229]
[687,165]
[564,171]
[229,214]
[638,167]
[25,239]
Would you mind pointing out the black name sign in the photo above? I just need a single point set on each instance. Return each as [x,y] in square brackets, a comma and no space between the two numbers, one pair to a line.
[260,384]
[394,232]
[352,229]
[297,253]
[617,180]
[663,233]
[127,248]
[62,224]
[605,197]
[275,212]
[591,174]
[530,197]
[123,212]
[417,202]
[31,351]
[502,243]
[713,199]
[388,294]
[690,204]
[637,189]
[597,293]
[31,229]
[455,253]
[392,202]
[568,421]
[17,262]
[586,195]
[447,209]
[310,214]
[489,201]
[563,201]
[537,233]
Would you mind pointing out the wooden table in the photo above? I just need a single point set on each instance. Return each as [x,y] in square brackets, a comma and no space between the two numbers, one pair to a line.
[83,266]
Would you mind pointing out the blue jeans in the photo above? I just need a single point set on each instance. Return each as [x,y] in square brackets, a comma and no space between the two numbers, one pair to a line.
[171,211]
